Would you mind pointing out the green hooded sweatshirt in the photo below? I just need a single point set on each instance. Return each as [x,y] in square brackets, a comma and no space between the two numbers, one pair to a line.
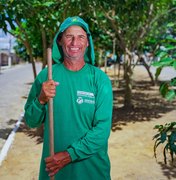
[82,114]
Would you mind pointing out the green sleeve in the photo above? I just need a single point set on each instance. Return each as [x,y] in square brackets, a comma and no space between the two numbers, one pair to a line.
[34,111]
[96,138]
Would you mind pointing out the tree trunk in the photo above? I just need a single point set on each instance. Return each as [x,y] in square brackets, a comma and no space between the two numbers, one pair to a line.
[128,83]
[32,61]
[29,51]
[148,70]
[100,58]
[141,59]
[44,43]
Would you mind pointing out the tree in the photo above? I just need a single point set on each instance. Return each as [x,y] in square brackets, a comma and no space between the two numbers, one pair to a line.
[13,21]
[130,22]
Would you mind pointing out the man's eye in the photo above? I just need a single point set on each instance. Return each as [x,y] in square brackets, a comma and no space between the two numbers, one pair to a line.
[68,36]
[82,37]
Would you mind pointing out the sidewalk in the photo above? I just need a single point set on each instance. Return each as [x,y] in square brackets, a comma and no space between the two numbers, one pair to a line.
[23,159]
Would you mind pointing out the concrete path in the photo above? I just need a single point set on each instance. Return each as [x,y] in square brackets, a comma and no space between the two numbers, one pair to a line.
[14,86]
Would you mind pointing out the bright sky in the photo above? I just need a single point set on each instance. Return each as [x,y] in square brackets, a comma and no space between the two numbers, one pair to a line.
[5,40]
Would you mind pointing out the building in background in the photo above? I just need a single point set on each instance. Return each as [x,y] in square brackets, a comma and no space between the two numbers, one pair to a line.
[7,54]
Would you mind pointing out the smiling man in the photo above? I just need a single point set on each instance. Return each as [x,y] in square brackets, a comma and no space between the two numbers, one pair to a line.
[74,43]
[82,100]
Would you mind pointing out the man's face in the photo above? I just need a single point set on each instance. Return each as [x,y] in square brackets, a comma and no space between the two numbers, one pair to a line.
[74,42]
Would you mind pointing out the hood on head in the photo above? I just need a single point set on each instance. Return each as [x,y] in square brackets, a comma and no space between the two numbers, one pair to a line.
[57,53]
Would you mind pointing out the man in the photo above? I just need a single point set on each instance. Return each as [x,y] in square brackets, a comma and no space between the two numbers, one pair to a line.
[82,100]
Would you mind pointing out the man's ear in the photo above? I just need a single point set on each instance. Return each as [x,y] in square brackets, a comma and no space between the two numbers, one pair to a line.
[59,42]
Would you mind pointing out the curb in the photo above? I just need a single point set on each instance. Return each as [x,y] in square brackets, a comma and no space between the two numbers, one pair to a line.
[10,139]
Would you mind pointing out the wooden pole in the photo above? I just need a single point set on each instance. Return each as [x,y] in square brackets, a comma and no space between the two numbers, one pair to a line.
[50,107]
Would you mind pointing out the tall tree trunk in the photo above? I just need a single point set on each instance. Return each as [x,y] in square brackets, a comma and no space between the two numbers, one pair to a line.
[128,83]
[148,70]
[29,49]
[33,63]
[44,43]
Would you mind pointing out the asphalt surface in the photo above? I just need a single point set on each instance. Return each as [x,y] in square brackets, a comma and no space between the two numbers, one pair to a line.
[15,83]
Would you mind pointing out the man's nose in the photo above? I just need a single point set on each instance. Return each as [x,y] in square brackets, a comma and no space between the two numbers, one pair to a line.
[74,41]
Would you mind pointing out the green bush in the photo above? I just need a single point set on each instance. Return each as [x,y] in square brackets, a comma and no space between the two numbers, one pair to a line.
[166,135]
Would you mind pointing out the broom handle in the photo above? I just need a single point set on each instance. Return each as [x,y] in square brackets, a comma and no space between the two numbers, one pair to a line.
[50,107]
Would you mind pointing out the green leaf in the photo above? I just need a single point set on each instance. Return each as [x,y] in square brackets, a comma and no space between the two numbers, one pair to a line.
[171,24]
[41,19]
[173,82]
[174,64]
[156,136]
[161,54]
[170,47]
[158,71]
[173,137]
[157,63]
[170,95]
[164,87]
[157,144]
[157,126]
[163,137]
[166,61]
[164,153]
[48,4]
[169,37]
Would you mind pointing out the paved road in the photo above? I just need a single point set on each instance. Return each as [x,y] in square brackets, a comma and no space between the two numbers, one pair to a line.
[14,87]
[166,74]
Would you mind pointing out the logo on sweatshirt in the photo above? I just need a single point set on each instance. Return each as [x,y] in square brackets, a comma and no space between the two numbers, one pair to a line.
[85,97]
[79,100]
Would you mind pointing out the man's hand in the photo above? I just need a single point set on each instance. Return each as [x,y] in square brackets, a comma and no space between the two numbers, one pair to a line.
[48,91]
[56,162]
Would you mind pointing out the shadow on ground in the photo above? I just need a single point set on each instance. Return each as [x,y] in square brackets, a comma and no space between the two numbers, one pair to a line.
[147,104]
[4,132]
[168,170]
[32,132]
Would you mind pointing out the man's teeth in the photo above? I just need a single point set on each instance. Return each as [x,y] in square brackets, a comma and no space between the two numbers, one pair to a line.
[74,49]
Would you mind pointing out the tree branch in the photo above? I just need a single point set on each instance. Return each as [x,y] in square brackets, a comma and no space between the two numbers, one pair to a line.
[144,30]
[118,32]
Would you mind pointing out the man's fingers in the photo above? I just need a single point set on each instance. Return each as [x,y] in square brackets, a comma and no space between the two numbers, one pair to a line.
[48,159]
[52,82]
[53,163]
[52,168]
[56,162]
[51,93]
[49,89]
[54,172]
[56,83]
[50,164]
